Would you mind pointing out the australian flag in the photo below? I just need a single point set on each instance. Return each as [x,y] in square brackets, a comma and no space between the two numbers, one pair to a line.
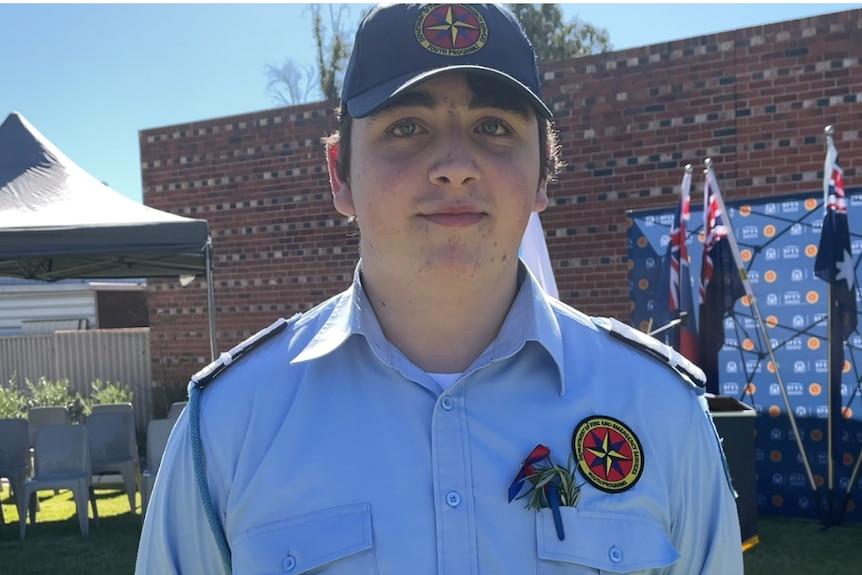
[834,264]
[674,295]
[720,283]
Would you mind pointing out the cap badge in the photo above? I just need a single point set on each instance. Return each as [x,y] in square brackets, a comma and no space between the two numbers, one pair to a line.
[451,29]
[609,454]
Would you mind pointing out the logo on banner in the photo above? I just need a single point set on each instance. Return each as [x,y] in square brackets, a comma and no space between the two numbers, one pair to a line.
[790,252]
[797,480]
[792,298]
[749,232]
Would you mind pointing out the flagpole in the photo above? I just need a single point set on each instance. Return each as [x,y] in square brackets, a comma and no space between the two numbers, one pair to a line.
[829,132]
[743,275]
[830,343]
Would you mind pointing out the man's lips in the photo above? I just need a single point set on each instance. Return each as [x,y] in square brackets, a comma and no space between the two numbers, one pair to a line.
[455,218]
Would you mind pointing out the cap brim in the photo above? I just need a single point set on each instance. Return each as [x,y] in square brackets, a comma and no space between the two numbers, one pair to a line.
[372,100]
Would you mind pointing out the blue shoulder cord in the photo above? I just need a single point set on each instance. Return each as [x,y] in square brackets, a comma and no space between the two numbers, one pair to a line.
[201,478]
[199,380]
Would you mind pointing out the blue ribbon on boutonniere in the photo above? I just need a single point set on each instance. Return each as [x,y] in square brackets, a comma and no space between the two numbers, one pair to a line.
[549,485]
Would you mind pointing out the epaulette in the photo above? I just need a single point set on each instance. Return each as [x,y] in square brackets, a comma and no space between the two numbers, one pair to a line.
[653,347]
[205,376]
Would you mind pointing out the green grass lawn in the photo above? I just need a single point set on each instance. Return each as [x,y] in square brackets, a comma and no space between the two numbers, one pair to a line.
[55,545]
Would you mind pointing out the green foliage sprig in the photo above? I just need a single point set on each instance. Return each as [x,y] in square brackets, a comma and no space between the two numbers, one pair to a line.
[563,478]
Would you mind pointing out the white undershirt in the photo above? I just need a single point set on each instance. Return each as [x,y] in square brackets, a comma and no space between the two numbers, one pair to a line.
[445,380]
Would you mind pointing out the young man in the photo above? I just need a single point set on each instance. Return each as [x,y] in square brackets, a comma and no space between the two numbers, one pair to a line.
[391,429]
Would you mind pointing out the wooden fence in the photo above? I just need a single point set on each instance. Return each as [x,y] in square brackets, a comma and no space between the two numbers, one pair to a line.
[83,356]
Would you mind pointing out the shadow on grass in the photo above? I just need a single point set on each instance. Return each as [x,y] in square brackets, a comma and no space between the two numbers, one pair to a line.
[55,544]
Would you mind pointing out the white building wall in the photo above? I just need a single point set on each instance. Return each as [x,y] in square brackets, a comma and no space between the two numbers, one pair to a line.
[45,302]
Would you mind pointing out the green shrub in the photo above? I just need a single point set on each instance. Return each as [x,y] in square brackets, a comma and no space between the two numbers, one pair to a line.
[46,392]
[12,401]
[107,392]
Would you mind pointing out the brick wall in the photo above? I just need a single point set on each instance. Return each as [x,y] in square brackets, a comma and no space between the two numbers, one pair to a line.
[755,100]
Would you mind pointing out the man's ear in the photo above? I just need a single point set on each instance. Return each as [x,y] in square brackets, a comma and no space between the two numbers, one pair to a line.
[541,201]
[342,196]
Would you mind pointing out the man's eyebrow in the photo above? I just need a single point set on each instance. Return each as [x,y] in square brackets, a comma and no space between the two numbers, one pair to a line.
[513,105]
[422,99]
[414,99]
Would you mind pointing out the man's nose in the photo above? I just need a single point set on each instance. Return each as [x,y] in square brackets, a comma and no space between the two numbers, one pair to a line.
[456,164]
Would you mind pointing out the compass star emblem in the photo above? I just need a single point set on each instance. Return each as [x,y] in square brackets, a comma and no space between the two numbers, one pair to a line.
[451,26]
[609,454]
[608,459]
[451,29]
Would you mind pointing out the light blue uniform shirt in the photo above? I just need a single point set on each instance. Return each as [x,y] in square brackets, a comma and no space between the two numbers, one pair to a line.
[328,451]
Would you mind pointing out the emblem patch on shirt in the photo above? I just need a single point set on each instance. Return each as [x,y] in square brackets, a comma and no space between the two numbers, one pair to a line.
[609,454]
[451,29]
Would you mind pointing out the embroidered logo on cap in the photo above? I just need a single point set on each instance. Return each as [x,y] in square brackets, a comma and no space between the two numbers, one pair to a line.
[451,29]
[609,454]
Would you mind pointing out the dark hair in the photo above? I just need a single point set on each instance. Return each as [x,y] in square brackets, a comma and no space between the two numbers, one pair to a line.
[496,90]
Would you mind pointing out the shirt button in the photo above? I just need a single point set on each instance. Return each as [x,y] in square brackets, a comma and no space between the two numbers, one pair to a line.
[288,563]
[446,402]
[453,499]
[615,554]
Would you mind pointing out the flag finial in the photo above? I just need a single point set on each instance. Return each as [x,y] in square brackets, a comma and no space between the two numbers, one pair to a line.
[829,130]
[708,163]
[688,169]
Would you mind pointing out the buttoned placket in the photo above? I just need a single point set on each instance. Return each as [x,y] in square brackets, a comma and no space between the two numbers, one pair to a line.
[456,544]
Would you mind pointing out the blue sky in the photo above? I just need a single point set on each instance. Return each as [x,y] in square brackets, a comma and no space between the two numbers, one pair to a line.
[89,77]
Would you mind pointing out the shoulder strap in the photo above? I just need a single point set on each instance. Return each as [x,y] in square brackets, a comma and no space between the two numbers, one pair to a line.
[654,348]
[198,383]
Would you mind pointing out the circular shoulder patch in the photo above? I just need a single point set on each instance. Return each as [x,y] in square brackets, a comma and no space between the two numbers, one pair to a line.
[609,454]
[451,29]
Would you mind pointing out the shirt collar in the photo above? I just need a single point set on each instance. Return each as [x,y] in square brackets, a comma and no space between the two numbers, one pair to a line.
[532,317]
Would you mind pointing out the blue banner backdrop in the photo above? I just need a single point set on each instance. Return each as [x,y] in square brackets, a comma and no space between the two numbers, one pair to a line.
[778,239]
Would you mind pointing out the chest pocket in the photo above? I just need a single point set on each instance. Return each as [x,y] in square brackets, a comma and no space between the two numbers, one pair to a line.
[333,541]
[601,542]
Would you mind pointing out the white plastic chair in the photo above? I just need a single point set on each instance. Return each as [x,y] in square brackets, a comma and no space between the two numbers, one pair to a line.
[62,462]
[158,431]
[49,415]
[120,408]
[113,448]
[15,459]
[176,409]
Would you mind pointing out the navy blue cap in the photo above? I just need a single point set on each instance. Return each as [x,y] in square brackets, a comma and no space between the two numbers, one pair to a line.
[399,45]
